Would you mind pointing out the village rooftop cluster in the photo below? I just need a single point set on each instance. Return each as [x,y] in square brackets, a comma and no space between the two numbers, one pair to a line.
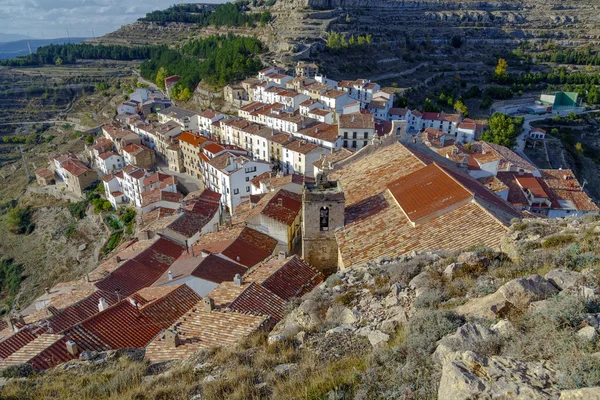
[311,176]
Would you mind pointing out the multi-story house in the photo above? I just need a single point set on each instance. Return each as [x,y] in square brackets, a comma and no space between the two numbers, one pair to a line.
[188,120]
[447,123]
[109,162]
[356,130]
[361,90]
[190,145]
[381,103]
[138,155]
[322,134]
[120,136]
[299,156]
[335,100]
[206,118]
[230,175]
[130,184]
[75,174]
[306,69]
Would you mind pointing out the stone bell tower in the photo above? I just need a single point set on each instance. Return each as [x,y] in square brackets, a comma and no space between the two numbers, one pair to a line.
[323,204]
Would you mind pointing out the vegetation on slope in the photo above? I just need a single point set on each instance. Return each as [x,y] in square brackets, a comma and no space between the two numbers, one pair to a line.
[228,14]
[217,60]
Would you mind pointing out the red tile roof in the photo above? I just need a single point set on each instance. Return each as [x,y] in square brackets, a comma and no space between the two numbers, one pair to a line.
[155,195]
[217,269]
[357,121]
[75,167]
[427,193]
[194,218]
[283,206]
[257,300]
[251,247]
[143,270]
[214,148]
[288,278]
[193,139]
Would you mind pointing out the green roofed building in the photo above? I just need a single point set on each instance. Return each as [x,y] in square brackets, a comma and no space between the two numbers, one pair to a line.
[561,101]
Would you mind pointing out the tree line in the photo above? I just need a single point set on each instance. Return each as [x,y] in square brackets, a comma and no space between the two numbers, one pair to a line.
[69,53]
[217,60]
[228,14]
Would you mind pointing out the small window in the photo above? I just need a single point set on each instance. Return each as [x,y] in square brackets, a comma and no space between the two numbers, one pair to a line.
[366,135]
[353,135]
[247,189]
[365,143]
[235,191]
[247,178]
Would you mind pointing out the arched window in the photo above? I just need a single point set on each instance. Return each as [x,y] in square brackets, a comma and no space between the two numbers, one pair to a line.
[324,219]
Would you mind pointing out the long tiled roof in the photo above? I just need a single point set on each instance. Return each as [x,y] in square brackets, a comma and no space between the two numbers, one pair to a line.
[30,350]
[376,224]
[357,121]
[199,329]
[258,300]
[156,195]
[142,271]
[427,192]
[250,247]
[564,186]
[322,131]
[288,278]
[281,206]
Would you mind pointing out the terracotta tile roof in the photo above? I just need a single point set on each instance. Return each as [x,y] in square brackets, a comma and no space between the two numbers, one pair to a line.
[44,173]
[108,155]
[511,159]
[250,247]
[433,116]
[540,130]
[428,193]
[213,148]
[143,270]
[155,195]
[30,350]
[370,175]
[416,113]
[135,149]
[565,188]
[157,219]
[467,125]
[320,112]
[333,94]
[227,292]
[16,341]
[257,300]
[281,138]
[389,233]
[433,137]
[75,167]
[322,131]
[194,218]
[287,278]
[193,139]
[532,185]
[217,269]
[200,329]
[301,146]
[337,155]
[160,177]
[259,178]
[493,183]
[210,114]
[282,206]
[357,121]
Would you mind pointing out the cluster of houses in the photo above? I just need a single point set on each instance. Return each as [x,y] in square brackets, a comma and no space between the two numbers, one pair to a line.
[294,188]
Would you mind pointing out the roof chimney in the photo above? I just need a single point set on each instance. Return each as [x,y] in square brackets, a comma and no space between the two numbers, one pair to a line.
[238,259]
[209,304]
[118,259]
[72,347]
[238,280]
[102,304]
[170,275]
[281,255]
[171,339]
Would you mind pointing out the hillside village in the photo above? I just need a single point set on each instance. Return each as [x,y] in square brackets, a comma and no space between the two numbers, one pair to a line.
[239,216]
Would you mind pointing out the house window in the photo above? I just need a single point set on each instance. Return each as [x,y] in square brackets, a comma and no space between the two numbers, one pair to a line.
[353,135]
[247,178]
[366,135]
[354,144]
[345,143]
[324,219]
[235,191]
[247,189]
[345,135]
[365,143]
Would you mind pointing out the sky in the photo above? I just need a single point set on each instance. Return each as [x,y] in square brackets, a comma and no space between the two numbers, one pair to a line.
[48,19]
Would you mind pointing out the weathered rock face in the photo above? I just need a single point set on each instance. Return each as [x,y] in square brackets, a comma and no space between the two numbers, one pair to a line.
[516,293]
[581,394]
[468,375]
[467,336]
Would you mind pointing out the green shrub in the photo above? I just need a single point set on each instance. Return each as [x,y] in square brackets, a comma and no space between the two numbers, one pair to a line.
[426,327]
[557,241]
[78,210]
[19,220]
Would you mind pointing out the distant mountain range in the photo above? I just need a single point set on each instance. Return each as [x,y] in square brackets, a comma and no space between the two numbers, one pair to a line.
[13,37]
[21,47]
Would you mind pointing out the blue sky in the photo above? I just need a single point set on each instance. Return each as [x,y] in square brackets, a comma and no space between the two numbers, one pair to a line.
[51,18]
